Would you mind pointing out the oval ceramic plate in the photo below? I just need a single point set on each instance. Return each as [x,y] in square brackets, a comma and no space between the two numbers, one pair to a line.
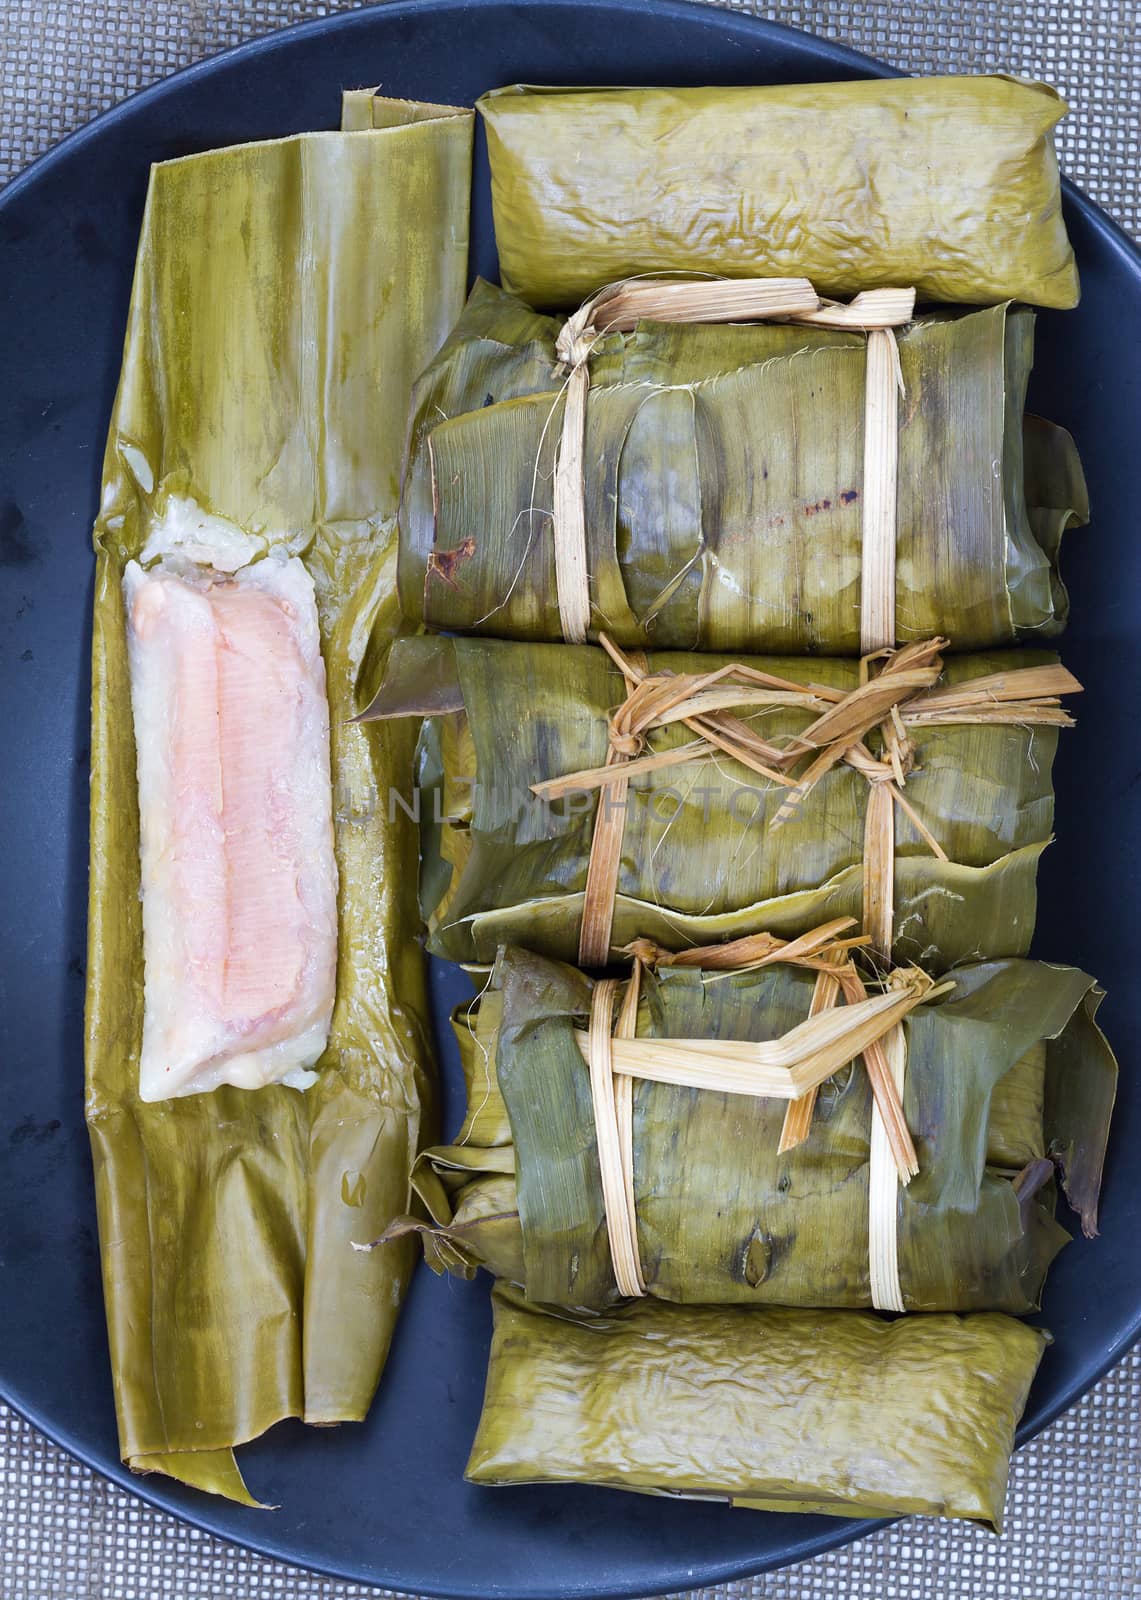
[385,1502]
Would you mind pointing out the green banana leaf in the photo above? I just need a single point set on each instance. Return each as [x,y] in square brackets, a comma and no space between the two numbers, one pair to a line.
[1006,1073]
[700,862]
[467,1189]
[949,185]
[835,1412]
[269,358]
[710,524]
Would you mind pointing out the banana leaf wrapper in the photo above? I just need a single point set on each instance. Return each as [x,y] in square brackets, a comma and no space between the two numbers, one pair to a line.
[836,1412]
[1008,1077]
[269,358]
[700,861]
[949,185]
[708,526]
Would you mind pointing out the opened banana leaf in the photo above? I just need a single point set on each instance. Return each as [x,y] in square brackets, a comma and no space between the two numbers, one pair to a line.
[828,1412]
[269,358]
[723,483]
[1005,1073]
[701,861]
[949,185]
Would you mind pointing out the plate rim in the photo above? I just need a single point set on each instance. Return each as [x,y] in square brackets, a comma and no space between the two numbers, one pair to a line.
[745,25]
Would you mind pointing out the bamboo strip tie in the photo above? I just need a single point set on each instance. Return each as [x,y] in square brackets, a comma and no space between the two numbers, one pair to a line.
[822,948]
[788,1068]
[621,306]
[897,689]
[901,694]
[605,859]
[883,387]
[615,1157]
[798,1116]
[883,1191]
[830,956]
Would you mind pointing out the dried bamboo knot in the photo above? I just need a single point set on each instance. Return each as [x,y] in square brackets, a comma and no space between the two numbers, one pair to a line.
[790,1068]
[898,691]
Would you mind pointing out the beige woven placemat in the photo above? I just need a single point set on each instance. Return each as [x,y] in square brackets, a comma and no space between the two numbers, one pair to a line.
[1075,1493]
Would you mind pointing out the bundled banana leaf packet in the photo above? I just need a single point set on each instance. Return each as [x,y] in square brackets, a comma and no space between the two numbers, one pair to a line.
[1008,1079]
[701,860]
[839,1412]
[269,358]
[948,184]
[723,482]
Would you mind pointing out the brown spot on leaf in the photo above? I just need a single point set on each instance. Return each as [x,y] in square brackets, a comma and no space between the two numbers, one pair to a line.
[445,562]
[756,1259]
[815,508]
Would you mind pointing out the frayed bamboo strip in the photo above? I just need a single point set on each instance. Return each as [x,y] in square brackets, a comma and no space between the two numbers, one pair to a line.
[612,776]
[818,947]
[842,728]
[883,1191]
[879,868]
[606,852]
[615,773]
[1026,713]
[625,1028]
[572,579]
[872,308]
[687,702]
[906,673]
[621,306]
[775,1069]
[822,949]
[1041,686]
[882,390]
[917,822]
[602,870]
[886,1093]
[798,1116]
[620,1223]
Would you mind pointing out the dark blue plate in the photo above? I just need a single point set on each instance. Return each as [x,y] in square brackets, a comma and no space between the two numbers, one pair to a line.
[385,1502]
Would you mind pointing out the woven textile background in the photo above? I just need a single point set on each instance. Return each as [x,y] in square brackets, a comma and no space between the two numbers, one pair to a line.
[1074,1505]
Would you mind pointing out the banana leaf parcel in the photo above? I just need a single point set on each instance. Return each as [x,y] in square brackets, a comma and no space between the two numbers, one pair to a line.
[723,482]
[700,859]
[947,184]
[269,358]
[1008,1079]
[834,1412]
